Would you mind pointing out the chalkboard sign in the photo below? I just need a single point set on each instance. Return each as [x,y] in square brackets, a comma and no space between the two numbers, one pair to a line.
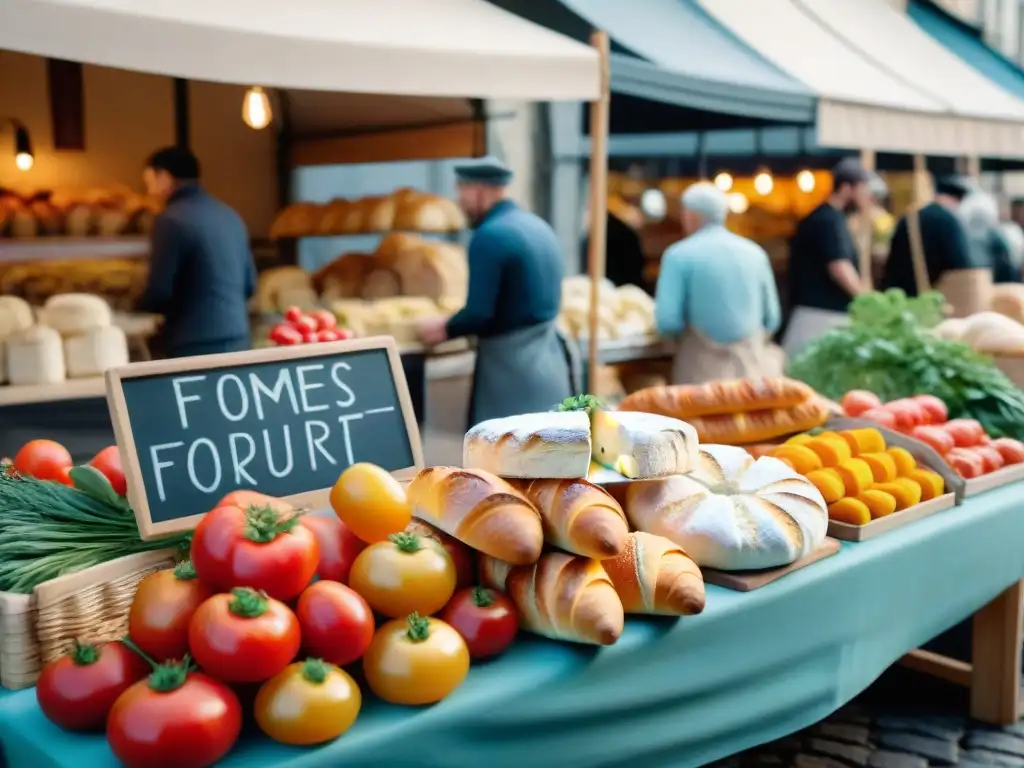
[284,421]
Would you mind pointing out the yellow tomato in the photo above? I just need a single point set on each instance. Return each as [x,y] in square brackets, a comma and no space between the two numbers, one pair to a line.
[370,502]
[415,661]
[407,573]
[309,702]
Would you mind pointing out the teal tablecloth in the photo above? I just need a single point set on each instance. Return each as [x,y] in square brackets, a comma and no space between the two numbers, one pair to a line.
[682,693]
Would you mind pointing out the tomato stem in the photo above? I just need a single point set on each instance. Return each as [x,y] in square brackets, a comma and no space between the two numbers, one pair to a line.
[482,597]
[264,524]
[128,643]
[406,542]
[248,603]
[170,676]
[84,654]
[315,670]
[185,571]
[419,628]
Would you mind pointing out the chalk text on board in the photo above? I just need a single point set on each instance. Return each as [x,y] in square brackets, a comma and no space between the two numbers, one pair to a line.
[310,391]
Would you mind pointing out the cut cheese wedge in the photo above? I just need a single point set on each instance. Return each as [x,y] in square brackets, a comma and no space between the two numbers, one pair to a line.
[643,446]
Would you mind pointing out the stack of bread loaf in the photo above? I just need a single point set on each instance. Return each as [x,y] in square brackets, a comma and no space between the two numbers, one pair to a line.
[991,333]
[76,213]
[404,210]
[119,281]
[623,313]
[71,336]
[583,515]
[736,412]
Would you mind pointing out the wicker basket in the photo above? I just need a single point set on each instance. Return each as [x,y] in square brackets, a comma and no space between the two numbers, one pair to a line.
[89,605]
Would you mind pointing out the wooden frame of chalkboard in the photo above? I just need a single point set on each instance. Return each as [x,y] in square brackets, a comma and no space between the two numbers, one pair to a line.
[156,515]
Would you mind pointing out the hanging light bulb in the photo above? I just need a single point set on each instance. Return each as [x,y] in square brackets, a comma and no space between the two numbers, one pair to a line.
[764,183]
[23,157]
[652,203]
[723,181]
[738,202]
[256,110]
[805,181]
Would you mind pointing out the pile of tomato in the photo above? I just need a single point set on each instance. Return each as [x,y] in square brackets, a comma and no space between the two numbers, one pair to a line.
[308,328]
[49,460]
[963,443]
[274,609]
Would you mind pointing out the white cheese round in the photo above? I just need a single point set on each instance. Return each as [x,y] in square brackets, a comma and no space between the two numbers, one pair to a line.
[91,353]
[35,356]
[15,315]
[74,313]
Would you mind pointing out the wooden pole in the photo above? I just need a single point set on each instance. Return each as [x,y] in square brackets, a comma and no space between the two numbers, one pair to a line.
[599,111]
[865,234]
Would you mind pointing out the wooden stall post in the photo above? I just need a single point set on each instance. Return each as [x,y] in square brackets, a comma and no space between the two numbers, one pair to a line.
[865,235]
[599,111]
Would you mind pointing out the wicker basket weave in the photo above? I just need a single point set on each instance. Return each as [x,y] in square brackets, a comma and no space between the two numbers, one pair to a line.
[89,605]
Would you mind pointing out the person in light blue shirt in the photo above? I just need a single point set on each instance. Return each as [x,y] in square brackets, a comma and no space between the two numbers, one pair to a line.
[716,293]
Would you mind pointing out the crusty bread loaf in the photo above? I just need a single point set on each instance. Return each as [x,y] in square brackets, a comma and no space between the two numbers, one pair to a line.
[297,220]
[686,401]
[578,517]
[531,445]
[381,283]
[334,217]
[564,597]
[479,509]
[732,512]
[759,426]
[345,275]
[428,213]
[379,213]
[654,576]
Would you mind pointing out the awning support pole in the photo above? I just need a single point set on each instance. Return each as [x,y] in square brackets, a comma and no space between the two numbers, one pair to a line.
[599,115]
[865,238]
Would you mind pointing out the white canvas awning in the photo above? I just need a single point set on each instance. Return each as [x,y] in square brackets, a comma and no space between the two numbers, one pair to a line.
[882,82]
[453,48]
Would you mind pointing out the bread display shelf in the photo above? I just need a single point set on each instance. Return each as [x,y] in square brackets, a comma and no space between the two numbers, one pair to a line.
[848,532]
[1011,474]
[72,389]
[746,581]
[54,248]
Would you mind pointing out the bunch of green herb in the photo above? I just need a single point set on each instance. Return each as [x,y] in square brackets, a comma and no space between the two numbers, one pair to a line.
[587,403]
[888,349]
[49,530]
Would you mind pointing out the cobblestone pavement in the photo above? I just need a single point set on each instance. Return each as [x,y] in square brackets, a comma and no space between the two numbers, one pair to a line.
[903,721]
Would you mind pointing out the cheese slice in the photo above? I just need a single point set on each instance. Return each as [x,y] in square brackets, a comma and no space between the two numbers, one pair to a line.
[531,446]
[643,446]
[599,475]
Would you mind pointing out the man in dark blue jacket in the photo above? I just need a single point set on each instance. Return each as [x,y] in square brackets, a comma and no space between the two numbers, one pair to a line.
[515,288]
[201,271]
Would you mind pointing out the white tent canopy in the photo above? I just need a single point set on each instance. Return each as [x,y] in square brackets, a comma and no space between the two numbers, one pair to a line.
[882,82]
[462,48]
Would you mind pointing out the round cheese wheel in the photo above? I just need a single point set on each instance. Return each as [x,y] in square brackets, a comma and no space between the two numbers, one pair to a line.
[35,356]
[91,353]
[73,313]
[15,315]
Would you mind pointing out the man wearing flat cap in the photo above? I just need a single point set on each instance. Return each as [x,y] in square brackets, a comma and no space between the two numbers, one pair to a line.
[934,233]
[515,285]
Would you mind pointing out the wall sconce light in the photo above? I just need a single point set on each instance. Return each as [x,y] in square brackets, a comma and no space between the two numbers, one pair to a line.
[256,111]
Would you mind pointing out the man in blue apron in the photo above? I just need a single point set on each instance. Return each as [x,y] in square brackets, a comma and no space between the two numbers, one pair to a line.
[523,364]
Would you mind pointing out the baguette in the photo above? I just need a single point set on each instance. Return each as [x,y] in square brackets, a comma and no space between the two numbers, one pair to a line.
[563,597]
[654,576]
[760,426]
[578,517]
[686,401]
[480,510]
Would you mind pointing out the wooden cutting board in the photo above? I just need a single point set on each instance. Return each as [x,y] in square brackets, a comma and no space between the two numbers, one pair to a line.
[746,581]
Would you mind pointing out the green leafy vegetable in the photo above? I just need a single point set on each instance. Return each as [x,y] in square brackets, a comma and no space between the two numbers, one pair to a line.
[587,403]
[888,349]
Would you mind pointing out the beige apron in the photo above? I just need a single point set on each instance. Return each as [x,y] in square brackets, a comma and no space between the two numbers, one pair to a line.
[698,359]
[967,291]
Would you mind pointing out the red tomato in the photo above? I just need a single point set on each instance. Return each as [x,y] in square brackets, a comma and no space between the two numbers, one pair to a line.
[174,719]
[880,416]
[108,462]
[327,335]
[966,463]
[244,637]
[908,414]
[486,619]
[857,401]
[991,458]
[310,337]
[324,319]
[44,460]
[64,476]
[244,498]
[1011,450]
[293,313]
[285,335]
[162,609]
[934,408]
[937,437]
[344,334]
[256,546]
[77,691]
[461,555]
[336,622]
[966,433]
[338,546]
[305,325]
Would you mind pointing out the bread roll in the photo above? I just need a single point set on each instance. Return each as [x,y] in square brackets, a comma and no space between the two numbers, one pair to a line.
[428,213]
[49,218]
[479,509]
[564,597]
[719,397]
[578,517]
[81,220]
[654,576]
[379,213]
[381,283]
[297,220]
[343,278]
[334,217]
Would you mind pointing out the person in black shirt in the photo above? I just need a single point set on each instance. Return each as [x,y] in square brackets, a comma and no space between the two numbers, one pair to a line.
[944,241]
[624,255]
[823,274]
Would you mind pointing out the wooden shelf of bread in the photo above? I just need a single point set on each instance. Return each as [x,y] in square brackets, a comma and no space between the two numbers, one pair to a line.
[404,210]
[76,213]
[119,281]
[72,336]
